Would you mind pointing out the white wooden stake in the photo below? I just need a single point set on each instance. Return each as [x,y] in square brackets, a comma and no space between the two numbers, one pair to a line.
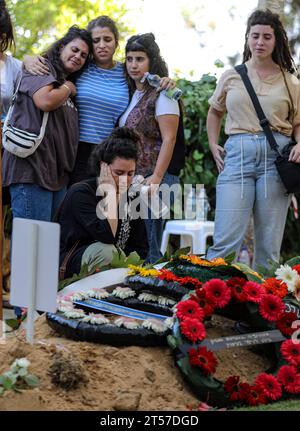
[33,246]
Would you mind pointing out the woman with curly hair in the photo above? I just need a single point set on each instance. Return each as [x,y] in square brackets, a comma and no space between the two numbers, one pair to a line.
[248,181]
[38,182]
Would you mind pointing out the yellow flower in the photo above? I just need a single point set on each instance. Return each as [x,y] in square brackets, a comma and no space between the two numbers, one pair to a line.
[143,272]
[134,269]
[203,262]
[149,273]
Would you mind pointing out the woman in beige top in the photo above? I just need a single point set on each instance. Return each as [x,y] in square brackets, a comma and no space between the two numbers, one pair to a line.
[248,181]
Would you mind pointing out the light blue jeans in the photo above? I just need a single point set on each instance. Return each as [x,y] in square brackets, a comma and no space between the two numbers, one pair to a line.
[31,201]
[155,226]
[250,184]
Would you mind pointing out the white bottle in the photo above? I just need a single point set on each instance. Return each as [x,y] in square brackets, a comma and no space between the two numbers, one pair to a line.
[244,256]
[190,205]
[202,204]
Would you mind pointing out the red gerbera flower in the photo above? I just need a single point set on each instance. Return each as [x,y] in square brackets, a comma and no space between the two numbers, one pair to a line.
[203,358]
[289,378]
[190,282]
[253,291]
[237,288]
[275,287]
[244,391]
[255,396]
[165,274]
[204,303]
[232,386]
[269,385]
[291,352]
[217,292]
[271,307]
[193,329]
[189,308]
[296,268]
[285,322]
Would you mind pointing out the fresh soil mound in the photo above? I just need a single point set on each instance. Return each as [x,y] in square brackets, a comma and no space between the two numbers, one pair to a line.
[110,378]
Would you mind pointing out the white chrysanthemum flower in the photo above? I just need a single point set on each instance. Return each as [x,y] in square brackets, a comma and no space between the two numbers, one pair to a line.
[162,300]
[79,296]
[63,303]
[65,308]
[169,322]
[74,314]
[95,319]
[127,322]
[21,363]
[155,324]
[98,293]
[288,275]
[123,292]
[147,297]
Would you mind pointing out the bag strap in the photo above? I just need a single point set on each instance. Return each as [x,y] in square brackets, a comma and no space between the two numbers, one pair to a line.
[10,111]
[263,121]
[63,266]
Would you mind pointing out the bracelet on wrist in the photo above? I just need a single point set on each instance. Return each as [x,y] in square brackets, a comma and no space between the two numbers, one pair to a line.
[68,88]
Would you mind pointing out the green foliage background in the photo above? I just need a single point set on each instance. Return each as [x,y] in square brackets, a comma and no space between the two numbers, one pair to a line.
[38,23]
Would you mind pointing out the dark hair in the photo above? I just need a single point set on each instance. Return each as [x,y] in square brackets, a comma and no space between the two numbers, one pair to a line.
[281,54]
[6,28]
[53,53]
[122,142]
[146,43]
[104,21]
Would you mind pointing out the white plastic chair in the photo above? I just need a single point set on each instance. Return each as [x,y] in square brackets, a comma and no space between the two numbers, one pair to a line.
[192,233]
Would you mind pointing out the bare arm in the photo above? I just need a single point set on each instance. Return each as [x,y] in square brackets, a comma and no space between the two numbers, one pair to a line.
[49,98]
[168,125]
[213,124]
[295,152]
[36,65]
[107,186]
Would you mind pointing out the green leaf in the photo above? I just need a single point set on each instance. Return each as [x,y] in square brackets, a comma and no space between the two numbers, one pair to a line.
[197,155]
[7,383]
[12,323]
[1,391]
[22,372]
[172,341]
[181,251]
[230,258]
[32,380]
[294,261]
[219,63]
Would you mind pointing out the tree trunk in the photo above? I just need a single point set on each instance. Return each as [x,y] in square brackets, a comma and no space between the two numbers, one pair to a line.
[276,6]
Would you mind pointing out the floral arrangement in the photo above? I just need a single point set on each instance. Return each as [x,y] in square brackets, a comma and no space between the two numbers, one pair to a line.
[167,275]
[67,308]
[267,309]
[290,279]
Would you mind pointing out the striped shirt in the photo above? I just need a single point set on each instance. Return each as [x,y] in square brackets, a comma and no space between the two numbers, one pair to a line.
[102,96]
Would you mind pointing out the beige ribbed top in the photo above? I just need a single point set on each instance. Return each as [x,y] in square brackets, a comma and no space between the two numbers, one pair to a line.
[231,96]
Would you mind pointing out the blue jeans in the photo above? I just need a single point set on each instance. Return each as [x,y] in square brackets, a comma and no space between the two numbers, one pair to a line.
[250,184]
[155,226]
[31,201]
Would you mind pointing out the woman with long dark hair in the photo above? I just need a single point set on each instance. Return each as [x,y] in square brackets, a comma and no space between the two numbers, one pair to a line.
[38,182]
[248,181]
[97,217]
[156,118]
